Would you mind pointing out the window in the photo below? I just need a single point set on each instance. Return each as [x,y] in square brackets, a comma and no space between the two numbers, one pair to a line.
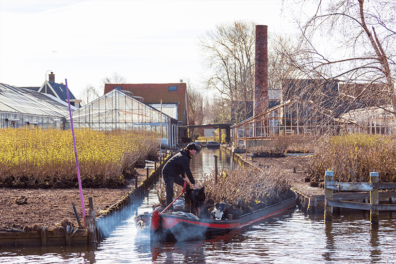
[172,88]
[117,88]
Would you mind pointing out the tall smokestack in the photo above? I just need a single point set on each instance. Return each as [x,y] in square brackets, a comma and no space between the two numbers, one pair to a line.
[261,71]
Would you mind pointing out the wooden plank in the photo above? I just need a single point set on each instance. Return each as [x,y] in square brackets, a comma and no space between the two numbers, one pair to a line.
[356,186]
[362,195]
[351,196]
[350,205]
[387,195]
[359,186]
[387,185]
[385,207]
[24,235]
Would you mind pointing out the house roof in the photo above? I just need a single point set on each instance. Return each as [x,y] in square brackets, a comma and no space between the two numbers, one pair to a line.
[56,89]
[153,93]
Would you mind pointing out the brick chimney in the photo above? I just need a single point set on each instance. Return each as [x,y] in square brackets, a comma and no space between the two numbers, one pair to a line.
[51,77]
[261,71]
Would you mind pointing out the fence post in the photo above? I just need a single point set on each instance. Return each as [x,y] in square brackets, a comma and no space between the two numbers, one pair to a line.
[374,215]
[329,176]
[216,171]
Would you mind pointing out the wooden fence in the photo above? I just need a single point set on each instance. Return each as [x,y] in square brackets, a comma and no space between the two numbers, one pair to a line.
[372,193]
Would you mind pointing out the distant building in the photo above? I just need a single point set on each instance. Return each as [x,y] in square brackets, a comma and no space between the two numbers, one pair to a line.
[57,90]
[238,107]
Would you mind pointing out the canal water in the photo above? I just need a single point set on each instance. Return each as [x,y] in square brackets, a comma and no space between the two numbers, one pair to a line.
[292,237]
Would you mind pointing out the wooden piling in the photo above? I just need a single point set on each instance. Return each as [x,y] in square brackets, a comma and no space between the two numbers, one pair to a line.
[374,213]
[216,170]
[91,223]
[69,230]
[43,236]
[329,176]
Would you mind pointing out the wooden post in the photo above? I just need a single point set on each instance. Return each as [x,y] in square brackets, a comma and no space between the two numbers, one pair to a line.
[136,181]
[69,230]
[216,171]
[43,235]
[329,176]
[374,215]
[147,173]
[91,222]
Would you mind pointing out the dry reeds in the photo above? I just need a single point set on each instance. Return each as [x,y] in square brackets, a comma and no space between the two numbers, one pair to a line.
[48,155]
[353,157]
[286,144]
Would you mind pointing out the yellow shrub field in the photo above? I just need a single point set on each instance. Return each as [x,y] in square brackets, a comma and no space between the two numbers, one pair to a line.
[48,155]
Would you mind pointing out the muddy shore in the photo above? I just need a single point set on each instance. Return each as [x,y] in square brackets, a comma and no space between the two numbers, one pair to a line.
[30,209]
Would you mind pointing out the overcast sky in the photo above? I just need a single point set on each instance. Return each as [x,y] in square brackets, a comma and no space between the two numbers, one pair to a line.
[144,41]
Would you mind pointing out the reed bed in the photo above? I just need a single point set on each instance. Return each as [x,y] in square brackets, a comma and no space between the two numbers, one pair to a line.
[353,157]
[286,144]
[47,156]
[241,188]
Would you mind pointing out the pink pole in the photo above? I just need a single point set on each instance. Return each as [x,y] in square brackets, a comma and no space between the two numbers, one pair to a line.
[75,154]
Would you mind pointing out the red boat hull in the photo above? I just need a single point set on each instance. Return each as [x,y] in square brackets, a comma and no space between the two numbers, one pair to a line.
[181,227]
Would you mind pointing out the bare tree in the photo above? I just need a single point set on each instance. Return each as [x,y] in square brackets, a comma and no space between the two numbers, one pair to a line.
[229,54]
[115,78]
[195,106]
[89,93]
[361,38]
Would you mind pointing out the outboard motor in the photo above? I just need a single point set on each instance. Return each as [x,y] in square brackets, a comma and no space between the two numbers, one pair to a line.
[157,233]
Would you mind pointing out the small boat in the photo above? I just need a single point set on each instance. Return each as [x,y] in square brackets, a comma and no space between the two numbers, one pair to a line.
[182,226]
[212,144]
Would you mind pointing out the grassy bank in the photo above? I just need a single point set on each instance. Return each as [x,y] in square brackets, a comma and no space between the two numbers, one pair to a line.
[353,157]
[46,157]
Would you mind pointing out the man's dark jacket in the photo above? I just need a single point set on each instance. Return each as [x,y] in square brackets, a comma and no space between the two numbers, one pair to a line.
[179,165]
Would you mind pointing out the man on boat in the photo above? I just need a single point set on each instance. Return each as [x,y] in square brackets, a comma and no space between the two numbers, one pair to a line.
[175,171]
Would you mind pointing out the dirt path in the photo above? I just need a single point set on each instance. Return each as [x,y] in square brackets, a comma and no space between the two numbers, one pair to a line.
[48,207]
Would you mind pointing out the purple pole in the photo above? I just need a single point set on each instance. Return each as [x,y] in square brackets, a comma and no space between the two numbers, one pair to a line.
[75,154]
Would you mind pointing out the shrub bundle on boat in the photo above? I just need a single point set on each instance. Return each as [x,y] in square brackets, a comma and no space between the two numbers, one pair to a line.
[242,188]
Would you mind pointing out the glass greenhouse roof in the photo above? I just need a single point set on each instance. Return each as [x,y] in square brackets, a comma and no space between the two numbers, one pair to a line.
[118,110]
[28,101]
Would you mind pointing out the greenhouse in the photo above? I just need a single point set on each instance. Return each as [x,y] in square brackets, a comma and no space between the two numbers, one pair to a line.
[21,107]
[120,110]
